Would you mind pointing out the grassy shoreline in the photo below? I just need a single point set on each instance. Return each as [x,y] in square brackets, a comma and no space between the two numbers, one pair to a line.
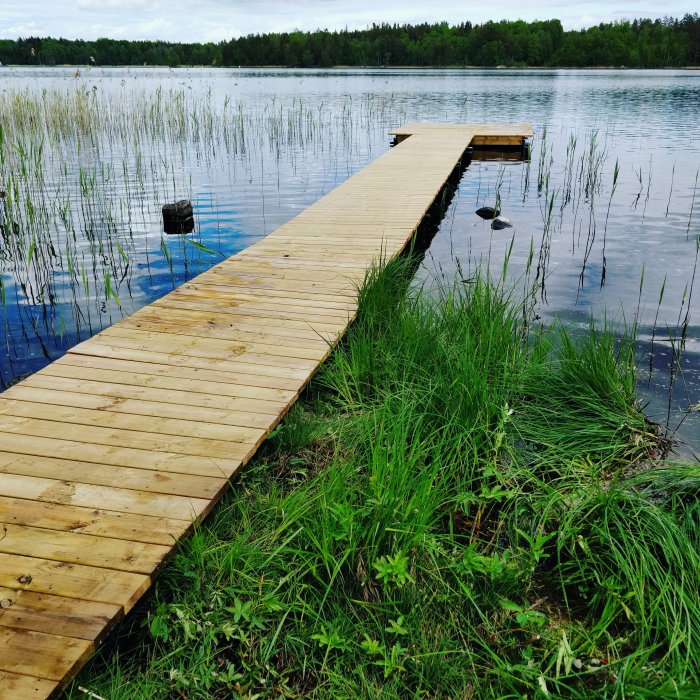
[465,504]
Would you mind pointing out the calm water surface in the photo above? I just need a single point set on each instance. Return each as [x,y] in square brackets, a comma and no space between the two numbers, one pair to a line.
[252,148]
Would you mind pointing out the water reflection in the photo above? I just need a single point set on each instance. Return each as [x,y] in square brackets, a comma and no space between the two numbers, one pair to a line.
[251,148]
[595,240]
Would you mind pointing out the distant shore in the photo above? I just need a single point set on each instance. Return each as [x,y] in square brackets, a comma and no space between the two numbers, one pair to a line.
[80,66]
[640,43]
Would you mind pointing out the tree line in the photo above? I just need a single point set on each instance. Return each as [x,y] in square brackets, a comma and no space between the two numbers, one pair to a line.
[642,43]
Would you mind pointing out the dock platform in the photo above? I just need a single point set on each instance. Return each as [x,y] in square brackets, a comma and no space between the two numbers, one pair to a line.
[111,453]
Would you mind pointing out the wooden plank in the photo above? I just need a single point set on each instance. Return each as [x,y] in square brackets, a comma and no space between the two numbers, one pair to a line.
[279,253]
[196,447]
[260,259]
[293,327]
[138,407]
[39,612]
[299,321]
[276,328]
[262,339]
[183,352]
[344,233]
[490,128]
[163,514]
[268,296]
[283,289]
[189,350]
[317,250]
[129,422]
[271,271]
[154,364]
[88,550]
[295,341]
[388,207]
[234,289]
[181,384]
[249,283]
[228,399]
[14,686]
[250,274]
[338,237]
[146,333]
[18,443]
[321,248]
[129,478]
[32,573]
[252,307]
[150,529]
[46,656]
[312,217]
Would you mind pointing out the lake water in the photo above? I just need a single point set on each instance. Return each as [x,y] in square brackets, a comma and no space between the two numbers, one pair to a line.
[607,209]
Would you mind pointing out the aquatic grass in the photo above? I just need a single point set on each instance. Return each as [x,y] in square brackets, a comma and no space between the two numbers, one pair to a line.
[626,559]
[455,362]
[582,401]
[84,173]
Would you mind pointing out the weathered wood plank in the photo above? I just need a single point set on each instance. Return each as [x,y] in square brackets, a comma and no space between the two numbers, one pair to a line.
[125,421]
[58,397]
[65,517]
[40,612]
[32,573]
[87,550]
[150,481]
[16,685]
[17,443]
[47,656]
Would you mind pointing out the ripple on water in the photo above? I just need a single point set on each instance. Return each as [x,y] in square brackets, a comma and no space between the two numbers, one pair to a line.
[244,189]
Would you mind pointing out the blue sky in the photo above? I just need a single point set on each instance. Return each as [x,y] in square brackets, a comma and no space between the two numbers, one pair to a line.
[214,20]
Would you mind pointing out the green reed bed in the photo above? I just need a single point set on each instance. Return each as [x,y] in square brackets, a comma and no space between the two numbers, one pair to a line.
[464,505]
[84,173]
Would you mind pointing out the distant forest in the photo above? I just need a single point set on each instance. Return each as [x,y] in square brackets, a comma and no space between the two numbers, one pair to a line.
[642,43]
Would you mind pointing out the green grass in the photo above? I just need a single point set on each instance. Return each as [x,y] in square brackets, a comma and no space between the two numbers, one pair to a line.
[463,506]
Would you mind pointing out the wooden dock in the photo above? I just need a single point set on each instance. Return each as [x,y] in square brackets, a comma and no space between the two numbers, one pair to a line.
[108,455]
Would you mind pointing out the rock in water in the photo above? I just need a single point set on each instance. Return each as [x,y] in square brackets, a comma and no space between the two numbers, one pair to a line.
[178,217]
[487,212]
[500,222]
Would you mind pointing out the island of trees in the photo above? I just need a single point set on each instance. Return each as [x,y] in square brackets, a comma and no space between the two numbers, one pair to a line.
[642,43]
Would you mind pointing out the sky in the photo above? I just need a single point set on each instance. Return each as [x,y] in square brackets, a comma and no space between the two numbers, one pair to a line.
[215,20]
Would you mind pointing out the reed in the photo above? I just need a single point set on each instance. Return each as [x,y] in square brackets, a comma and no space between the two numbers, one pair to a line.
[85,173]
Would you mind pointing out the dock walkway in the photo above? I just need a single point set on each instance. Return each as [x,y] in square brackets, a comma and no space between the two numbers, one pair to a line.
[108,455]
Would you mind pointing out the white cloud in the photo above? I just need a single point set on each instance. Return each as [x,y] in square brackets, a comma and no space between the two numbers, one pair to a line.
[122,5]
[214,20]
